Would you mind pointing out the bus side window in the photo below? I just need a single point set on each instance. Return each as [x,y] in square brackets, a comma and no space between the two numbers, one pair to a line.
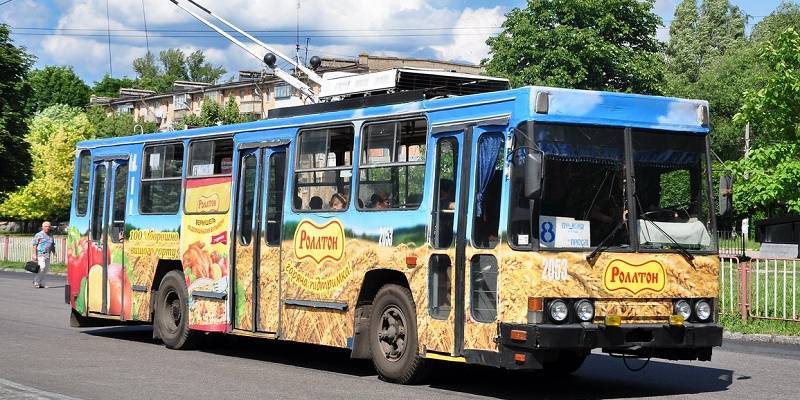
[162,174]
[323,170]
[82,195]
[392,165]
[277,176]
[211,157]
[483,284]
[489,172]
[439,286]
[445,196]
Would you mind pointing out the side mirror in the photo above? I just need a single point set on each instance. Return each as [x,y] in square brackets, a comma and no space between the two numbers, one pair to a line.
[725,195]
[534,174]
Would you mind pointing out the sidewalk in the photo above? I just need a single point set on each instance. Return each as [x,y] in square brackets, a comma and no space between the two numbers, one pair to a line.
[761,338]
[23,271]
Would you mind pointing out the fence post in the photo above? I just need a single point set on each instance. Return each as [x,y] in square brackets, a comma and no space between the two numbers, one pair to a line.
[5,248]
[744,286]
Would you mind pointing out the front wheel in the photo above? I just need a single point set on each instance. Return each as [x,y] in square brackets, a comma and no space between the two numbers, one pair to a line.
[172,313]
[393,336]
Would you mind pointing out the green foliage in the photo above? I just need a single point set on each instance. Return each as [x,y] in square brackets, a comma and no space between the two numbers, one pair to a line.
[709,58]
[116,124]
[769,179]
[587,44]
[697,38]
[14,94]
[775,107]
[173,65]
[56,85]
[54,132]
[212,114]
[786,15]
[110,86]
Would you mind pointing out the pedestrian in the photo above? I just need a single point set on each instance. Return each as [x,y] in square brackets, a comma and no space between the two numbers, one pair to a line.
[43,246]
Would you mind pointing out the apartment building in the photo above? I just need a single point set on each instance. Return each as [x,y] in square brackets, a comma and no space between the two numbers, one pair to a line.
[255,92]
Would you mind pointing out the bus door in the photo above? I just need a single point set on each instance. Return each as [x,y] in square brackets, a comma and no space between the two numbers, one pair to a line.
[447,265]
[259,219]
[107,280]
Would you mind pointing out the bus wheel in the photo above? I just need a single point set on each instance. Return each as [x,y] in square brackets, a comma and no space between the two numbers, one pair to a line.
[393,336]
[567,363]
[172,313]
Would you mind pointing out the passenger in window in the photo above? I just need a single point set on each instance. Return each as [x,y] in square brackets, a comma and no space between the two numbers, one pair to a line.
[298,202]
[380,200]
[315,203]
[337,202]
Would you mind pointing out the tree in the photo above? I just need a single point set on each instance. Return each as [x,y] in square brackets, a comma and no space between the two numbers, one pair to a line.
[775,107]
[696,38]
[786,15]
[212,114]
[772,171]
[173,65]
[14,93]
[116,124]
[110,86]
[587,44]
[200,70]
[56,85]
[54,132]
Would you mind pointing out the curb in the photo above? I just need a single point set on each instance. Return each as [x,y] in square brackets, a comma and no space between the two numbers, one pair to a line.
[23,271]
[762,338]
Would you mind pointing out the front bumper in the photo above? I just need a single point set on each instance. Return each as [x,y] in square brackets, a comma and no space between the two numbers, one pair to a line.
[544,342]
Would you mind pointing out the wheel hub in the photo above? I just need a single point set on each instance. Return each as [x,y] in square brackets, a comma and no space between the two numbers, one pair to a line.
[392,333]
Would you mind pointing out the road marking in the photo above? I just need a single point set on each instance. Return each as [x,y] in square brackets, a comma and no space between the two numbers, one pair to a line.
[11,390]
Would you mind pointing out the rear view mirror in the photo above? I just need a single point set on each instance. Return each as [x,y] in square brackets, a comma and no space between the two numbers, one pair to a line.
[534,173]
[725,195]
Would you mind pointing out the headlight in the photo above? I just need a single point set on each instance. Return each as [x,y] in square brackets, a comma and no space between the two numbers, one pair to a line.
[702,310]
[558,310]
[584,310]
[683,309]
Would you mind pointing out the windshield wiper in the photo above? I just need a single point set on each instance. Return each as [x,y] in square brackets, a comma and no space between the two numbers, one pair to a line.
[682,250]
[592,257]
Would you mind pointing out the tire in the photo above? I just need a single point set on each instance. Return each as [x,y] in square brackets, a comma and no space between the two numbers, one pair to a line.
[567,363]
[393,336]
[172,313]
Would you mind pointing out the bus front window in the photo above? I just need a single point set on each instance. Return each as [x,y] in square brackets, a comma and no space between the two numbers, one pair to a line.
[583,200]
[672,194]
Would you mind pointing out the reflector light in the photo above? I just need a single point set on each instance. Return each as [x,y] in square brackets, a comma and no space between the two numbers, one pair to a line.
[535,304]
[613,320]
[519,335]
[676,320]
[519,357]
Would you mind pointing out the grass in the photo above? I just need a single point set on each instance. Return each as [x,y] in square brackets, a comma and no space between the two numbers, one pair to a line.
[54,268]
[734,323]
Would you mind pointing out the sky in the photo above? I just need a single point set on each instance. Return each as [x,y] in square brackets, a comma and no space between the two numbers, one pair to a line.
[75,32]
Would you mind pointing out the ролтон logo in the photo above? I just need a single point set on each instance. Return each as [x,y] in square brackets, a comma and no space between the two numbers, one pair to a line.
[319,242]
[634,278]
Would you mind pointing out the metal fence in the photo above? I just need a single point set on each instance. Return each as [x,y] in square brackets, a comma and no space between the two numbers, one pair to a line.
[760,288]
[731,243]
[18,248]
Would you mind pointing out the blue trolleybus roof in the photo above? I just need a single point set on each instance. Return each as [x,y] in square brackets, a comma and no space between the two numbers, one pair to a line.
[565,106]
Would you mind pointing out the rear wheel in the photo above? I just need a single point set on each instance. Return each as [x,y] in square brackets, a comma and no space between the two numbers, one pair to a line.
[172,313]
[393,336]
[567,363]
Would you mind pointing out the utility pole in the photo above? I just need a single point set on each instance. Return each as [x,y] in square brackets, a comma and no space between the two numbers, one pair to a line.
[746,221]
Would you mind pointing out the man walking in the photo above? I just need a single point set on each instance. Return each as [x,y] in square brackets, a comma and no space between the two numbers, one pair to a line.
[43,245]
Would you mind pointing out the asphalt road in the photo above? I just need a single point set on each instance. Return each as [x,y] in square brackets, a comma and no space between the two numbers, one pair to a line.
[42,358]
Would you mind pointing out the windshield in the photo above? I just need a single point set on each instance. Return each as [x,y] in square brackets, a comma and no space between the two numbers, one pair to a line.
[672,194]
[583,199]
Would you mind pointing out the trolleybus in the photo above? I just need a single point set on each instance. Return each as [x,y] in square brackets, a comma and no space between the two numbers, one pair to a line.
[517,228]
